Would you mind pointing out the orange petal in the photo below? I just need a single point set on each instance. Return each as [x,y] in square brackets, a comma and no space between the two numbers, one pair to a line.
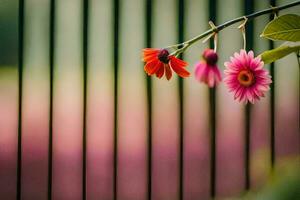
[160,71]
[149,51]
[179,62]
[168,72]
[152,67]
[178,68]
[149,54]
[149,58]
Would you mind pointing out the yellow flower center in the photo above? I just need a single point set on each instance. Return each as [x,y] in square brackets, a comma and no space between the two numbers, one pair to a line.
[246,78]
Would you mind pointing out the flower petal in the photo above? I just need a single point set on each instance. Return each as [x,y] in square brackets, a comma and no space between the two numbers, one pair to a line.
[179,62]
[177,67]
[149,54]
[262,78]
[168,71]
[218,73]
[148,51]
[152,67]
[160,72]
[199,69]
[210,79]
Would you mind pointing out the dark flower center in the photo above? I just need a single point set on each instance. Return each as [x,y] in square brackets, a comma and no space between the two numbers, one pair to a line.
[163,56]
[246,78]
[210,56]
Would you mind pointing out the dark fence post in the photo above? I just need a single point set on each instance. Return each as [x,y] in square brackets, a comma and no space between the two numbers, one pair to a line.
[20,85]
[272,100]
[248,8]
[85,28]
[115,61]
[51,73]
[148,43]
[181,102]
[212,112]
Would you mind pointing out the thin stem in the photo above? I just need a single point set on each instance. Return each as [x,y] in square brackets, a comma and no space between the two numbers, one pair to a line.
[242,27]
[215,42]
[244,38]
[180,50]
[175,46]
[251,16]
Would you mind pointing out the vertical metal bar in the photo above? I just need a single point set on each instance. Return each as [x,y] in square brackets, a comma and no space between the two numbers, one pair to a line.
[272,101]
[116,14]
[248,8]
[148,37]
[20,84]
[85,76]
[247,146]
[51,66]
[212,110]
[181,102]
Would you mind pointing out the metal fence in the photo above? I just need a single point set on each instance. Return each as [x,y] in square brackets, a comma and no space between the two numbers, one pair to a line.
[180,23]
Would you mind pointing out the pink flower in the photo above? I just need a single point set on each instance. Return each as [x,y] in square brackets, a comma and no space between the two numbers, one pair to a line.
[206,70]
[245,76]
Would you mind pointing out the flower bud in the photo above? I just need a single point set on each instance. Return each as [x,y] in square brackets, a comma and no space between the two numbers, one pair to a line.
[210,56]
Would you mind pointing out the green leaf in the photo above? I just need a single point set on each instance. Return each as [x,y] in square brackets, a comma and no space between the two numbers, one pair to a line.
[285,27]
[279,52]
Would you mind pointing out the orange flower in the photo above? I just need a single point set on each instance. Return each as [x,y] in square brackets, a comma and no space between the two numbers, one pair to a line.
[159,61]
